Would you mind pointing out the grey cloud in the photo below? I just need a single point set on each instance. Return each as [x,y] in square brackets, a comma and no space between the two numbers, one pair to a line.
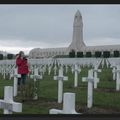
[50,25]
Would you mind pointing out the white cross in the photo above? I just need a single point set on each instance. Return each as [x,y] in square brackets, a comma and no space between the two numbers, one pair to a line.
[118,78]
[44,69]
[68,105]
[96,79]
[103,63]
[49,70]
[31,69]
[16,76]
[66,69]
[90,80]
[114,72]
[8,104]
[72,68]
[11,71]
[36,76]
[76,70]
[60,79]
[4,72]
[55,70]
[41,70]
[11,74]
[107,63]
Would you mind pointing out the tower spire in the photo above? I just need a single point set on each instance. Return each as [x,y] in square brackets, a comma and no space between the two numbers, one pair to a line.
[77,40]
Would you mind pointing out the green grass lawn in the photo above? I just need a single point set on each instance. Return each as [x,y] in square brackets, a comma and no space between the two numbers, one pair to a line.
[105,99]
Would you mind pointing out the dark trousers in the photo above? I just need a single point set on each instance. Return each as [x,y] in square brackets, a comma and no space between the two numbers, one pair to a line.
[22,80]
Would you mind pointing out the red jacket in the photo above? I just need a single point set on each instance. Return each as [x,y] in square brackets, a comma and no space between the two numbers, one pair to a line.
[22,66]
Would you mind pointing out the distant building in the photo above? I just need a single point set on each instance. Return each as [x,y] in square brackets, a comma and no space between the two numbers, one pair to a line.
[77,43]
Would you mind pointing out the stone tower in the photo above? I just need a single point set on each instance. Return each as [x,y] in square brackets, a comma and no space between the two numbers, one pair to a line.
[77,40]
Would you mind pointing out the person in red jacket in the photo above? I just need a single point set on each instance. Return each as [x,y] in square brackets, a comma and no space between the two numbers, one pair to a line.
[22,65]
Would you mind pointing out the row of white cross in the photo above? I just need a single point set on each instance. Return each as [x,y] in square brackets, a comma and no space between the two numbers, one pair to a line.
[36,76]
[8,105]
[115,65]
[92,80]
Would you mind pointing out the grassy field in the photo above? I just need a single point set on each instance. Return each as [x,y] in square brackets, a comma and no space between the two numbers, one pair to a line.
[105,98]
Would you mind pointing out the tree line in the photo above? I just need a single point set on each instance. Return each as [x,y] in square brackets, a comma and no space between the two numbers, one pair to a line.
[97,54]
[9,57]
[73,54]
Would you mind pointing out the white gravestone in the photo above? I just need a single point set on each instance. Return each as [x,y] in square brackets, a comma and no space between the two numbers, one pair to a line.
[96,79]
[60,79]
[3,72]
[55,70]
[118,78]
[11,74]
[107,63]
[32,69]
[16,76]
[72,69]
[36,77]
[114,72]
[49,70]
[66,69]
[90,80]
[43,69]
[68,105]
[103,62]
[8,104]
[76,70]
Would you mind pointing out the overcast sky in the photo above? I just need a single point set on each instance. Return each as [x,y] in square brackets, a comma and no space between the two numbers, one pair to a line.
[24,27]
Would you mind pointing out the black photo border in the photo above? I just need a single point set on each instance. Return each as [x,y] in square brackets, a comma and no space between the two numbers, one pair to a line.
[60,117]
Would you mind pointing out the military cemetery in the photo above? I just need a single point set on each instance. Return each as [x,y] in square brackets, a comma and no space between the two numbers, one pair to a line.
[73,85]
